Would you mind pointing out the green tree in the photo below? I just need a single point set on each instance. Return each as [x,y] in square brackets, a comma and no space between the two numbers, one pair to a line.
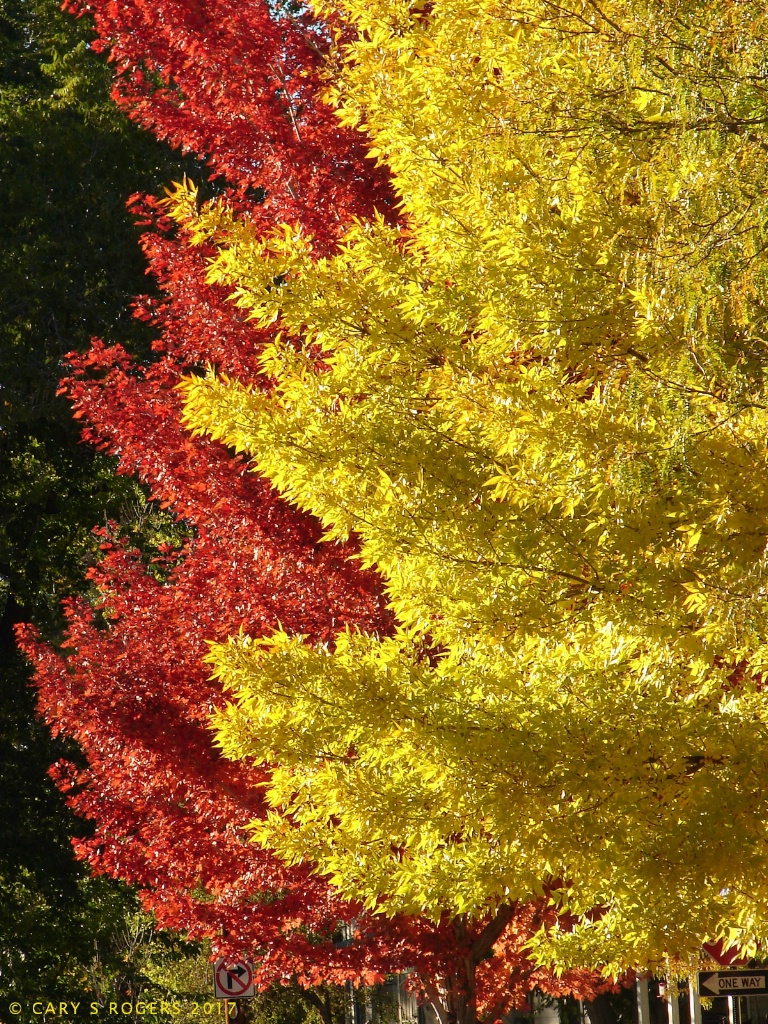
[69,267]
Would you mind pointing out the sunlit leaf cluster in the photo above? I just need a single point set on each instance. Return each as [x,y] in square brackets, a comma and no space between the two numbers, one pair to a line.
[538,400]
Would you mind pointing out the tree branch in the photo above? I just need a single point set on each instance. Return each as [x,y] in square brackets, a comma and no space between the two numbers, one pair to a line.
[484,943]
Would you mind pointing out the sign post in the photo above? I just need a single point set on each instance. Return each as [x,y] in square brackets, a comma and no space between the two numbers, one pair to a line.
[643,1002]
[233,981]
[694,1003]
[673,1005]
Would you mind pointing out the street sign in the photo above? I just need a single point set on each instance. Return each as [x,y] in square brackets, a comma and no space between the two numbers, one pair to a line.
[732,983]
[233,981]
[724,956]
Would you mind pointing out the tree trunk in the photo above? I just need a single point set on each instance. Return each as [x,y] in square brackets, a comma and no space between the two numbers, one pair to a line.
[455,999]
[322,1005]
[600,1010]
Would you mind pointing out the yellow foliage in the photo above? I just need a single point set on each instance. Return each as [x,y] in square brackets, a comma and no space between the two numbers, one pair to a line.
[544,413]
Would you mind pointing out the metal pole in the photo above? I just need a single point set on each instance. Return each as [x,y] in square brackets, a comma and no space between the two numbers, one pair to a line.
[694,1002]
[643,1002]
[673,1006]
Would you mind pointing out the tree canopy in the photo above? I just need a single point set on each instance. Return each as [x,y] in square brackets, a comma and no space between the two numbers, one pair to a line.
[538,402]
[130,681]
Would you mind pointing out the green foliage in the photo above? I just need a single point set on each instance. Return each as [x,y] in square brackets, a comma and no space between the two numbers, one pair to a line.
[289,1004]
[69,267]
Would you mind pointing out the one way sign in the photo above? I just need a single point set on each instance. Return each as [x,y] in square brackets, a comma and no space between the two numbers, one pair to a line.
[233,981]
[727,983]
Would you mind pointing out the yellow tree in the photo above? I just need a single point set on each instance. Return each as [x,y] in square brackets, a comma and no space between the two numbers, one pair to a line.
[539,403]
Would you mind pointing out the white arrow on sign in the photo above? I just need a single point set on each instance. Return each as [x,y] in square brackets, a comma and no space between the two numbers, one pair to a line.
[725,983]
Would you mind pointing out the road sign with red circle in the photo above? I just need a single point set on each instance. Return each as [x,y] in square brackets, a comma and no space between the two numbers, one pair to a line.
[233,980]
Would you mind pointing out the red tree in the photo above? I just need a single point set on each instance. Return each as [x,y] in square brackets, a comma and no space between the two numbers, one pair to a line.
[240,86]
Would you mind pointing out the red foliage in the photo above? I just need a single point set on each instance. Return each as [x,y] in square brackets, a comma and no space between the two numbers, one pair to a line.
[239,84]
[132,688]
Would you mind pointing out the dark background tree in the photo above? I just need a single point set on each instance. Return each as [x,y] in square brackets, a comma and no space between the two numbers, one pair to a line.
[69,267]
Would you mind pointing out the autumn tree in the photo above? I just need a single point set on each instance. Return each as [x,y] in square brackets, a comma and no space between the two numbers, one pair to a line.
[538,402]
[131,685]
[69,266]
